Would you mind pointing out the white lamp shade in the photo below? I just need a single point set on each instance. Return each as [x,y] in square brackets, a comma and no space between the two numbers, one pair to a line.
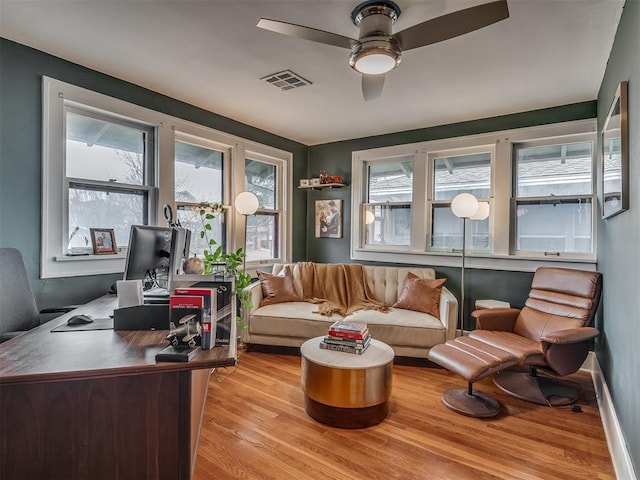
[464,205]
[246,203]
[483,211]
[369,217]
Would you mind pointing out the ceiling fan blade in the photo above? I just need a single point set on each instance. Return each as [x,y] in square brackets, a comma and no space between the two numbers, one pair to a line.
[308,33]
[452,25]
[372,86]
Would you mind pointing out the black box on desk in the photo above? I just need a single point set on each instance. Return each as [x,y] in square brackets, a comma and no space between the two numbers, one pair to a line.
[142,317]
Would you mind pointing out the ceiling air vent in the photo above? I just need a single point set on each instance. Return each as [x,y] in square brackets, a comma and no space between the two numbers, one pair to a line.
[286,80]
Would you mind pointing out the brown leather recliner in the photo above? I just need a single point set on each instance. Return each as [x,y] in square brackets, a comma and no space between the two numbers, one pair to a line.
[551,333]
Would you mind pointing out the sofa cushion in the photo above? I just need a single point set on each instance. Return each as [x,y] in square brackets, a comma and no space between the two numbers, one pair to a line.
[386,282]
[421,295]
[277,288]
[402,327]
[292,319]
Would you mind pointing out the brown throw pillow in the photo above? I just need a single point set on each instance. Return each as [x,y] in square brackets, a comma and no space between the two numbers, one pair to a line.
[276,288]
[421,295]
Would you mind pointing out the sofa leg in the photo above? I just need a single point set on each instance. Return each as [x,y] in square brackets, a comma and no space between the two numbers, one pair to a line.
[468,402]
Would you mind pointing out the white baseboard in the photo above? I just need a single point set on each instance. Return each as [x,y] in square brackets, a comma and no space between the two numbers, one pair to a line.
[615,439]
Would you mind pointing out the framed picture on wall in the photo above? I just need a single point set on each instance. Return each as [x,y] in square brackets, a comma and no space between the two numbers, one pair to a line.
[615,156]
[328,219]
[103,241]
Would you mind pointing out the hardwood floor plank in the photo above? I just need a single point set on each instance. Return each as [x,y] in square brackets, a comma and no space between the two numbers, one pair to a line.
[255,427]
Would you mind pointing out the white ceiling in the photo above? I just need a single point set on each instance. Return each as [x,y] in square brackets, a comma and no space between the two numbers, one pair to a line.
[209,53]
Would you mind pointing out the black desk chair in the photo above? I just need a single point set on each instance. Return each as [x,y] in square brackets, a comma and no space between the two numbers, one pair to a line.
[18,310]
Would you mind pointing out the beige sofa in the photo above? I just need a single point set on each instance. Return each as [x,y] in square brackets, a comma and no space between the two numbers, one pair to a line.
[409,333]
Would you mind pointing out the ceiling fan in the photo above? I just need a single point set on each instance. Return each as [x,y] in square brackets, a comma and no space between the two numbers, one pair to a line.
[378,50]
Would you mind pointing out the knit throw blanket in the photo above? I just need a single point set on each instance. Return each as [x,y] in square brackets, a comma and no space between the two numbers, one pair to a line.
[337,288]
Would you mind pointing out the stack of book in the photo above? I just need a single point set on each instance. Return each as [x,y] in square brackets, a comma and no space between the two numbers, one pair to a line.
[349,337]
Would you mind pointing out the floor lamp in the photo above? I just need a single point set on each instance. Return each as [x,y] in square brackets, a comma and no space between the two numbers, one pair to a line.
[466,206]
[246,203]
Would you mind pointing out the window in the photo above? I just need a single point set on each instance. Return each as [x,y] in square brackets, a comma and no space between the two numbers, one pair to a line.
[198,178]
[263,228]
[454,174]
[538,182]
[554,197]
[108,164]
[388,205]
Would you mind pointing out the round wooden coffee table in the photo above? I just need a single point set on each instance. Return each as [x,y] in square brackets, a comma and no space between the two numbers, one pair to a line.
[344,389]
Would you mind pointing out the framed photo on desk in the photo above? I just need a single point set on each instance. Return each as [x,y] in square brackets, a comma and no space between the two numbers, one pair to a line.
[103,241]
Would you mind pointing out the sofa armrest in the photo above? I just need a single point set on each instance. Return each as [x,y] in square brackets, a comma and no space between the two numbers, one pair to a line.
[254,297]
[449,313]
[500,319]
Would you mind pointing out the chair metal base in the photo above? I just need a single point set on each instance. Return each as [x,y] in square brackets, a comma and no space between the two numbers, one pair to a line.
[536,389]
[474,404]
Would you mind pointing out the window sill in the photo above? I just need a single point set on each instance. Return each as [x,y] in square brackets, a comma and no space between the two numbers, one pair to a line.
[517,263]
[88,257]
[82,265]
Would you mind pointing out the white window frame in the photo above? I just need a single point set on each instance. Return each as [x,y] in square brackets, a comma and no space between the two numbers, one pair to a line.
[207,138]
[501,221]
[53,261]
[282,199]
[431,202]
[57,96]
[577,138]
[413,240]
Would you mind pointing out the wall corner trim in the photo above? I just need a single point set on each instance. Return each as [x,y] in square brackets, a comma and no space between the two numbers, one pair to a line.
[615,439]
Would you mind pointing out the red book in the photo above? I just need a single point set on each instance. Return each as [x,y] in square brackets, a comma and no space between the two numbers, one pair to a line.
[355,336]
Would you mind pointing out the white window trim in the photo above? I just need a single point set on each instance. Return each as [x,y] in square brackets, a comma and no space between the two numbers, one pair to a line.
[500,222]
[429,181]
[53,261]
[283,166]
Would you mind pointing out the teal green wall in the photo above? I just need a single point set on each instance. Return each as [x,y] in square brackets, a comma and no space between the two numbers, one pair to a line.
[335,158]
[618,251]
[21,71]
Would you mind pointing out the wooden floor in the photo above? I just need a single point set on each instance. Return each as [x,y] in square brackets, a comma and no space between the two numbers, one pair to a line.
[256,428]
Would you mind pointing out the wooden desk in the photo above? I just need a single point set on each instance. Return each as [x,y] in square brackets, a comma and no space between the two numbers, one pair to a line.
[95,404]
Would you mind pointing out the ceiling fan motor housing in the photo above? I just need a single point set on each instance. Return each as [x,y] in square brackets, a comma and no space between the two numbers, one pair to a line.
[376,51]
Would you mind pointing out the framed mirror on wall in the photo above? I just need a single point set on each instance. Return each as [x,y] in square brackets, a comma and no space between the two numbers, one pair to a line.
[615,156]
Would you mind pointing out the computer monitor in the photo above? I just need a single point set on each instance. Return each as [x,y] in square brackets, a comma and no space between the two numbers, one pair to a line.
[155,254]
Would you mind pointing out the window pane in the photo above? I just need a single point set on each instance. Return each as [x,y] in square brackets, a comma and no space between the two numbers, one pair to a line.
[260,179]
[464,173]
[198,176]
[100,150]
[447,231]
[388,225]
[90,208]
[563,169]
[190,218]
[262,237]
[390,182]
[554,226]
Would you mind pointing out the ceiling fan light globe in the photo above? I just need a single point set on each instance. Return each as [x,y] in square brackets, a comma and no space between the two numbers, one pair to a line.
[375,64]
[375,56]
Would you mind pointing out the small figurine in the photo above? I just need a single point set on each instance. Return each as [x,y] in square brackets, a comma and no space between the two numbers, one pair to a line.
[186,333]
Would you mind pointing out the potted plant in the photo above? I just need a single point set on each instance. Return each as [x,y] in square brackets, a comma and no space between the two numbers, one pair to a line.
[216,261]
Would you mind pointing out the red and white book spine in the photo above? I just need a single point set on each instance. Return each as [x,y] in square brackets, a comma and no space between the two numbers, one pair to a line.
[352,335]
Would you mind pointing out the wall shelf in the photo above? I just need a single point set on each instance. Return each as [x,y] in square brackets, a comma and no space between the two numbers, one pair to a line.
[323,185]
